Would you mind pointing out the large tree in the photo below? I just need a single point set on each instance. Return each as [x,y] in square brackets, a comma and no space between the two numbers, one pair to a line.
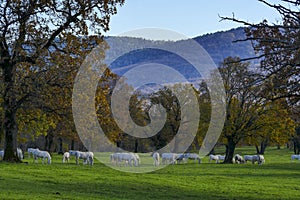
[242,104]
[38,44]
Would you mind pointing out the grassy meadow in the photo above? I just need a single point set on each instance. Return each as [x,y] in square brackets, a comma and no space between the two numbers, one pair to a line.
[278,178]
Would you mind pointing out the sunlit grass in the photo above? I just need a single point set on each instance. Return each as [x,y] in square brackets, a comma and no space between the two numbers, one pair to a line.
[278,178]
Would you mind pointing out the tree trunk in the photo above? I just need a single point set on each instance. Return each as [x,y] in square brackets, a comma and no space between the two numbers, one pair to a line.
[263,147]
[136,145]
[72,144]
[60,146]
[257,149]
[295,147]
[10,131]
[230,148]
[10,127]
[46,142]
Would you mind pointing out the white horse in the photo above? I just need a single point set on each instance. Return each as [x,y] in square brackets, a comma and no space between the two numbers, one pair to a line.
[248,158]
[155,156]
[128,158]
[169,158]
[113,158]
[221,158]
[66,157]
[41,154]
[238,159]
[30,151]
[294,157]
[217,158]
[137,158]
[260,159]
[181,158]
[87,157]
[193,156]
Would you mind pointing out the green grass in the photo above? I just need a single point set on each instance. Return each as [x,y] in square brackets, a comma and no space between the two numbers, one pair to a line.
[277,179]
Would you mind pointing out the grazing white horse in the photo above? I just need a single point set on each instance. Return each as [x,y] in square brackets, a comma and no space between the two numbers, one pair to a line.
[181,158]
[129,158]
[217,158]
[113,158]
[155,156]
[30,151]
[137,158]
[260,159]
[193,156]
[238,159]
[248,158]
[19,153]
[294,157]
[169,158]
[41,154]
[87,157]
[66,157]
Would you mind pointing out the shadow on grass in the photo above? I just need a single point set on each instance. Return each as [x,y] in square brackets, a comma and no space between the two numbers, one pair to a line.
[119,190]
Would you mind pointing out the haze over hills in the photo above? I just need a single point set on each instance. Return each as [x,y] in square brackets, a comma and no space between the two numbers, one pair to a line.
[219,46]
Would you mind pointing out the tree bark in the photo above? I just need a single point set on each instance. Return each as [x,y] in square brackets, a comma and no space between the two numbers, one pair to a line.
[257,149]
[230,148]
[10,127]
[11,131]
[72,144]
[263,147]
[136,145]
[60,146]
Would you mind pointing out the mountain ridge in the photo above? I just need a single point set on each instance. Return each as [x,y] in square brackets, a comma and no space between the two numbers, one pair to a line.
[219,46]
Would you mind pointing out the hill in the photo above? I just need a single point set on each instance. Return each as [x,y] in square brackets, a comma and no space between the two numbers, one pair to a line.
[219,46]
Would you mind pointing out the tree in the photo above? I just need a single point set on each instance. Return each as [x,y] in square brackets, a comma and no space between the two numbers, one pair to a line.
[36,38]
[277,127]
[278,48]
[179,101]
[242,104]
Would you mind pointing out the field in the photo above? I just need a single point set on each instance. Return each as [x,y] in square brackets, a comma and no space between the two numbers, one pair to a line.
[278,178]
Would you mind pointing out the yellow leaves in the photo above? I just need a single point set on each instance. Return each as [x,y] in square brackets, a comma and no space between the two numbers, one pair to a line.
[276,124]
[33,123]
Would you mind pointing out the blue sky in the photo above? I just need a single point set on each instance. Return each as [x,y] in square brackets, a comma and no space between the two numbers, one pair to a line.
[188,17]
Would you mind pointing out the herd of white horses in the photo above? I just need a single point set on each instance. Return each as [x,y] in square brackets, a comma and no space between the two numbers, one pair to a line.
[87,157]
[260,159]
[133,159]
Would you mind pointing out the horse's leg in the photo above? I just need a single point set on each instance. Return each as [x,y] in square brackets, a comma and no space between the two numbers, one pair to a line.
[91,161]
[35,159]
